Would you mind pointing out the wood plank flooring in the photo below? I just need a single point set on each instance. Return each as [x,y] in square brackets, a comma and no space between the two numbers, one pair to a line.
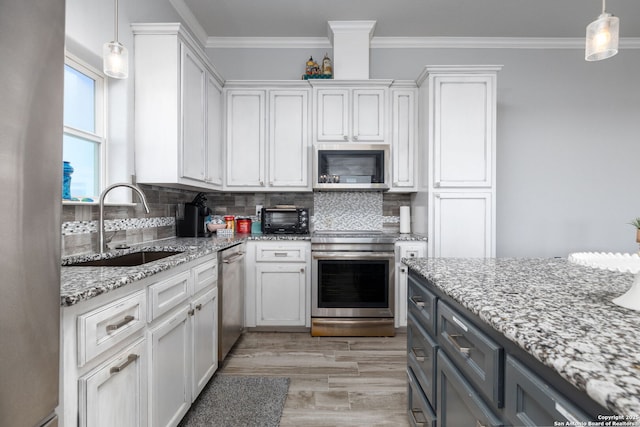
[335,381]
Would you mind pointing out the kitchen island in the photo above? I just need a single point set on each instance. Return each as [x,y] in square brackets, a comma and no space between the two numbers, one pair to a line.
[559,313]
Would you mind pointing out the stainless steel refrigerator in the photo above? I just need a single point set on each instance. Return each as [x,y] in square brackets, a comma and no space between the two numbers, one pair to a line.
[31,96]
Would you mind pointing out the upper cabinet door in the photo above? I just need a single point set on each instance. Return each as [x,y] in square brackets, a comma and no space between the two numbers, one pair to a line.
[194,79]
[463,115]
[332,115]
[368,115]
[245,138]
[288,142]
[403,138]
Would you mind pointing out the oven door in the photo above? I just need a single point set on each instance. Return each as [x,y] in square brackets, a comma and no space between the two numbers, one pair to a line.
[353,284]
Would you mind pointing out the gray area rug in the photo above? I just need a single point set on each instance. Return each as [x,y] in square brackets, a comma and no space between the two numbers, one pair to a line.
[237,401]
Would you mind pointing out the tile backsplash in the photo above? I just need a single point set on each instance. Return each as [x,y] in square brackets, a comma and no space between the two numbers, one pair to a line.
[131,225]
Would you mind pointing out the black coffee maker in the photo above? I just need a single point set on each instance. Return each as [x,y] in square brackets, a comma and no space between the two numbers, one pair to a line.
[190,217]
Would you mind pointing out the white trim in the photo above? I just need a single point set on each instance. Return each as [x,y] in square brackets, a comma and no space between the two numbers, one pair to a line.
[190,19]
[268,42]
[413,42]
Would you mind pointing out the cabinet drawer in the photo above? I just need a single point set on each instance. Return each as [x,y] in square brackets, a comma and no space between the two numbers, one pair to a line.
[205,275]
[102,328]
[529,401]
[476,355]
[279,252]
[422,358]
[165,295]
[422,304]
[458,403]
[420,412]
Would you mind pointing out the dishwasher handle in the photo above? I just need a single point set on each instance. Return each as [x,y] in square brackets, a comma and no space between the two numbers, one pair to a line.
[233,258]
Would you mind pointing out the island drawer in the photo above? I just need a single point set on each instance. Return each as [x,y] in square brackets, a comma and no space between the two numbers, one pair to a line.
[422,304]
[420,412]
[479,357]
[102,328]
[458,403]
[168,293]
[530,401]
[421,351]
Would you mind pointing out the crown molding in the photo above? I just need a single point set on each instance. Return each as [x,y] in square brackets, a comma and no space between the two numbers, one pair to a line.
[190,20]
[412,42]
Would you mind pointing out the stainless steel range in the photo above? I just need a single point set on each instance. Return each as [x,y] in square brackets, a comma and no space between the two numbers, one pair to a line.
[353,286]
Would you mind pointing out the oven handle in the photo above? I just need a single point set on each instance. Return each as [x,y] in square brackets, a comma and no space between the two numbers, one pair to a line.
[352,255]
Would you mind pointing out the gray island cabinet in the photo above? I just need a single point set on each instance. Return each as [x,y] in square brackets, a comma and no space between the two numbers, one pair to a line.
[520,342]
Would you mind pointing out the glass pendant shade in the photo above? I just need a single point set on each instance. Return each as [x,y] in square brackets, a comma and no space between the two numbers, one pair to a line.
[602,37]
[115,60]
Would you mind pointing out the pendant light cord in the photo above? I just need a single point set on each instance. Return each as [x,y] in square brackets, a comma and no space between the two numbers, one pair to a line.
[604,3]
[115,20]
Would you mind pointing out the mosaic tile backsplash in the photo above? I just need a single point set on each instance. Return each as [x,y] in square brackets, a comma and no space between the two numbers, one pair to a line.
[130,225]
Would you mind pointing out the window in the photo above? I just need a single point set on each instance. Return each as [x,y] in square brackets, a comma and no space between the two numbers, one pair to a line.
[84,124]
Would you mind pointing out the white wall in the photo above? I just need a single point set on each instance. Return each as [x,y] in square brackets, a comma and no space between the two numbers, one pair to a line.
[568,138]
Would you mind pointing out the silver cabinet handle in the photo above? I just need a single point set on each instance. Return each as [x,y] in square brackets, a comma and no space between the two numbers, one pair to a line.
[417,300]
[120,324]
[355,137]
[419,354]
[280,254]
[454,340]
[346,138]
[130,359]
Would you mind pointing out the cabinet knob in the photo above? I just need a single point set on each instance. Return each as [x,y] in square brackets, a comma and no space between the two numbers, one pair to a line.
[346,138]
[261,183]
[302,270]
[436,184]
[191,312]
[355,137]
[199,307]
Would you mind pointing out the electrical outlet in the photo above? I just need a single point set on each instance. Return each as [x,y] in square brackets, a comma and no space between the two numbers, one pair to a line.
[258,210]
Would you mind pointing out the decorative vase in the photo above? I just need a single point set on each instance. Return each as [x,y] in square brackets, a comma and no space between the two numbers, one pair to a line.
[67,170]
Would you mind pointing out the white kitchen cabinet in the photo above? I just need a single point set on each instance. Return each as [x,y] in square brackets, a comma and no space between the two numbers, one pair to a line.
[170,360]
[403,135]
[458,145]
[178,110]
[278,284]
[114,393]
[267,144]
[405,249]
[463,225]
[183,349]
[350,111]
[204,338]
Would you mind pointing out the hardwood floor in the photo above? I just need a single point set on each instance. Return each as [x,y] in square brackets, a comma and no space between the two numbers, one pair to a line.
[335,381]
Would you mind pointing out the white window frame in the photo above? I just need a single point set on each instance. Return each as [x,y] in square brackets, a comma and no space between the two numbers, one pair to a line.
[100,135]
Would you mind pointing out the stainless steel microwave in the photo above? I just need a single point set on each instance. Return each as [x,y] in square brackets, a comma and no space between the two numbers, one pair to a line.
[351,167]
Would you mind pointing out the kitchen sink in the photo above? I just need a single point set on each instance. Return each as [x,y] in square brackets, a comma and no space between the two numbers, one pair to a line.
[127,260]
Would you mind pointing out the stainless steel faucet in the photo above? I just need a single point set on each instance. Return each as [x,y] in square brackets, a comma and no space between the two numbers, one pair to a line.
[103,245]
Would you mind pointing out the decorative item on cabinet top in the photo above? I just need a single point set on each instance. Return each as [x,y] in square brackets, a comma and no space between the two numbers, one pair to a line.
[315,71]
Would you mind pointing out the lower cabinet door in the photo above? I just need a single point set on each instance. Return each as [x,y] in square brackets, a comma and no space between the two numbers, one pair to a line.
[205,339]
[281,294]
[420,412]
[170,358]
[114,394]
[458,403]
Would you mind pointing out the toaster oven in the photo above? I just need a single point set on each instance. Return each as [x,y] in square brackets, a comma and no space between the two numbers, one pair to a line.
[285,220]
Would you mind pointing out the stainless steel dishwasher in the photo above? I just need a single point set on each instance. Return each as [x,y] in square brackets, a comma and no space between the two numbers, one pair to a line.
[231,297]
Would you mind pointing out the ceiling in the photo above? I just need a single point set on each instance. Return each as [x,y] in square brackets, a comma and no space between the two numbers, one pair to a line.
[407,18]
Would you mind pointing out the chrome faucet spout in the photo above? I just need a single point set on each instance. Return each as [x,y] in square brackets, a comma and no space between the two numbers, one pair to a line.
[102,243]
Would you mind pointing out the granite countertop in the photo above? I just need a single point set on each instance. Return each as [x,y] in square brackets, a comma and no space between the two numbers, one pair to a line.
[559,312]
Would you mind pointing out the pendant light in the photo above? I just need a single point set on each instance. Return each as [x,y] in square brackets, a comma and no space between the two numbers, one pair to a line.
[602,37]
[115,55]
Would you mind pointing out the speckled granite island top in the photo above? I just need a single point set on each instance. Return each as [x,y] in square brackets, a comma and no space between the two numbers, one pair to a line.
[559,312]
[83,283]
